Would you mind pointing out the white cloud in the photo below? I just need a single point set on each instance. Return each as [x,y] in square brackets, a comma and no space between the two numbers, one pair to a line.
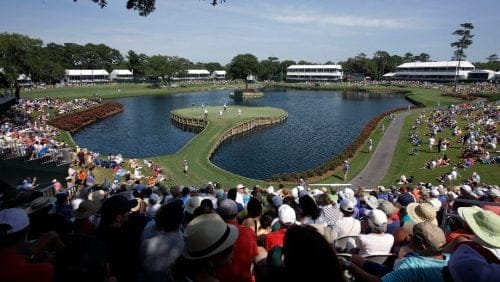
[350,21]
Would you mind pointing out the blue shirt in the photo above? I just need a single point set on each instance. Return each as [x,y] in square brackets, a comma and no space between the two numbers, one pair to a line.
[417,268]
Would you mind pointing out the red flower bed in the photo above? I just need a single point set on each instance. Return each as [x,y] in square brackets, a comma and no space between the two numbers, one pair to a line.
[76,121]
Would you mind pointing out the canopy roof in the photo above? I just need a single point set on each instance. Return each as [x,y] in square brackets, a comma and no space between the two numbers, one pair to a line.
[466,64]
[198,72]
[86,72]
[314,67]
[121,72]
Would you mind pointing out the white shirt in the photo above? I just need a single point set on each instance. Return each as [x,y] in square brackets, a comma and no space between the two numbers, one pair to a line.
[374,244]
[347,226]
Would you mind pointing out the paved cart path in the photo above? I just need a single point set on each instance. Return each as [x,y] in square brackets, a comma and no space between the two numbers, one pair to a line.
[379,163]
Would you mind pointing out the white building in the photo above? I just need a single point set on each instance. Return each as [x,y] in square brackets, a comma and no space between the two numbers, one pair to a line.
[443,71]
[194,75]
[219,74]
[314,73]
[481,76]
[86,76]
[24,81]
[121,75]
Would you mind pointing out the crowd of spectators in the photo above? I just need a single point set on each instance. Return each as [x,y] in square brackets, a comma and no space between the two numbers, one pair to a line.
[21,135]
[136,232]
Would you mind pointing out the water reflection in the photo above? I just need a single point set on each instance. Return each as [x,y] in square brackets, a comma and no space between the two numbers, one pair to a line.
[320,124]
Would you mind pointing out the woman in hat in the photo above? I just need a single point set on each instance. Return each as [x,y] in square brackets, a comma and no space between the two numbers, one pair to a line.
[208,244]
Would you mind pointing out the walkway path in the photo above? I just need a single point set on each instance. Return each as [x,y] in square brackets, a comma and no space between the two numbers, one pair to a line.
[379,163]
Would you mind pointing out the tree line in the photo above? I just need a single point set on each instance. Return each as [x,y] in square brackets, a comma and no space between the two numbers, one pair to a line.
[20,54]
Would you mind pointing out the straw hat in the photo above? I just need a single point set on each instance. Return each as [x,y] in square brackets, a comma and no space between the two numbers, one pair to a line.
[208,235]
[423,212]
[40,203]
[485,224]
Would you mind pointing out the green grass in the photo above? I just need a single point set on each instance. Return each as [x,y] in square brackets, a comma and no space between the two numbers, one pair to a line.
[119,90]
[404,163]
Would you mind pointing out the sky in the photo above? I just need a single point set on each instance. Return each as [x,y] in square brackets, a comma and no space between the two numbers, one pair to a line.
[312,30]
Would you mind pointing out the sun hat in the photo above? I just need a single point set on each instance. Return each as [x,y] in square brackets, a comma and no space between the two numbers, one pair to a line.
[423,212]
[16,219]
[347,205]
[377,217]
[484,224]
[116,205]
[387,207]
[287,214]
[85,209]
[40,203]
[227,209]
[192,204]
[430,234]
[240,186]
[467,264]
[371,200]
[207,235]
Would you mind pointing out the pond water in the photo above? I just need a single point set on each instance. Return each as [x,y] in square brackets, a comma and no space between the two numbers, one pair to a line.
[320,124]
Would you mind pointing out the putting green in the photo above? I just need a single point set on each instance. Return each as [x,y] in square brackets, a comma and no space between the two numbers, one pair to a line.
[198,150]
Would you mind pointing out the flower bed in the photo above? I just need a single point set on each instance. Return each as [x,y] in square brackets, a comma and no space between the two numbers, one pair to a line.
[78,120]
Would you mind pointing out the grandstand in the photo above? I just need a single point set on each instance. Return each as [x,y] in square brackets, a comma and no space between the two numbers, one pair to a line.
[298,73]
[443,71]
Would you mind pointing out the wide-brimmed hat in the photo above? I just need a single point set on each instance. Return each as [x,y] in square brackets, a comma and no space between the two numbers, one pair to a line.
[377,218]
[40,203]
[192,204]
[387,207]
[485,224]
[423,212]
[16,219]
[85,209]
[370,200]
[207,235]
[469,264]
